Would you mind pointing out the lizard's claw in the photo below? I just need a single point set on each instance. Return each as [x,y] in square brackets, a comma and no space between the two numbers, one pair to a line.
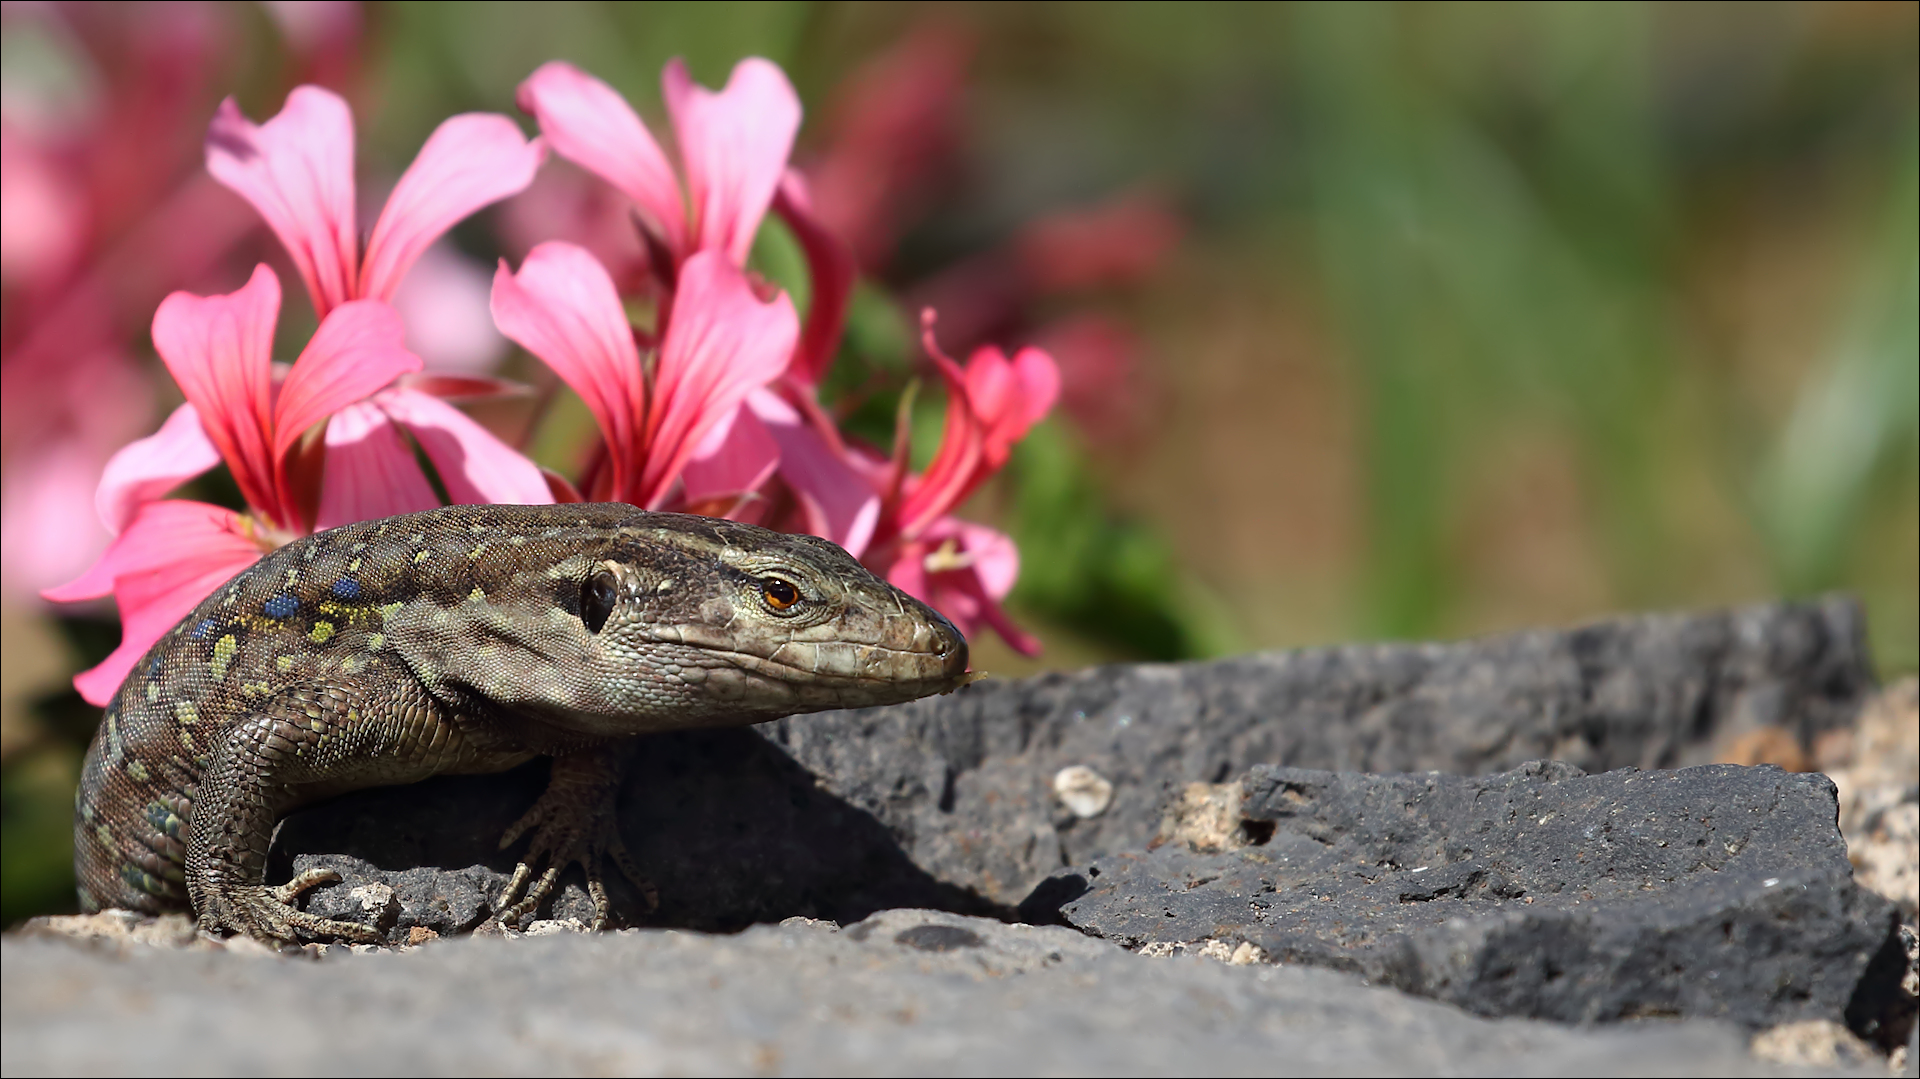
[573,821]
[267,913]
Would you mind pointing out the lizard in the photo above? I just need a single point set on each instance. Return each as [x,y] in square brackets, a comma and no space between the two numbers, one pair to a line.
[468,639]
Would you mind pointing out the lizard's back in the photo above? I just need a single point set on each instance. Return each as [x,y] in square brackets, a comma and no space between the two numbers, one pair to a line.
[307,617]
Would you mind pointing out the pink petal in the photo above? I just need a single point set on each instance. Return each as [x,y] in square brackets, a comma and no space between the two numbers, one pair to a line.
[989,611]
[154,601]
[145,470]
[219,349]
[589,124]
[371,471]
[736,456]
[172,555]
[475,466]
[1009,396]
[990,383]
[297,170]
[562,307]
[908,573]
[1031,386]
[148,542]
[561,487]
[734,145]
[992,554]
[357,350]
[722,343]
[840,503]
[469,161]
[955,469]
[831,268]
[966,570]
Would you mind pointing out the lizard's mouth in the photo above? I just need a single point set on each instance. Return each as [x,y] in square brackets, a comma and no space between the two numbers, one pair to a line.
[864,670]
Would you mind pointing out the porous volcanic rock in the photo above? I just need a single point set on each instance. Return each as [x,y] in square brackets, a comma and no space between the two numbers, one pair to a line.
[1653,895]
[1718,891]
[952,802]
[903,993]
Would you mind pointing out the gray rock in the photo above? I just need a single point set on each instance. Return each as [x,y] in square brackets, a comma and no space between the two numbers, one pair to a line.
[800,998]
[1718,891]
[965,803]
[448,902]
[952,802]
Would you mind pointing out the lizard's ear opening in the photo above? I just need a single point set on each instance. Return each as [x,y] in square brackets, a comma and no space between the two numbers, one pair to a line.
[597,597]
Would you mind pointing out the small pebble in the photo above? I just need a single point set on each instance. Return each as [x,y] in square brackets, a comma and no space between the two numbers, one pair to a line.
[1085,792]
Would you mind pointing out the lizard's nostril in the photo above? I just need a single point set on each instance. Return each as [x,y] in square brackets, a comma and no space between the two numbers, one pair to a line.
[951,647]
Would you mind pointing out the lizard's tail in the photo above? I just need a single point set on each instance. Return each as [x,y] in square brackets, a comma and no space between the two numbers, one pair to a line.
[128,831]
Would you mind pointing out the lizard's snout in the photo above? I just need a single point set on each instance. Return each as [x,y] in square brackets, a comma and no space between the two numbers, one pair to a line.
[950,648]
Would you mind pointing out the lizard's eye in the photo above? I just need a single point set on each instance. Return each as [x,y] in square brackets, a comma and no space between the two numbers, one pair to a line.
[779,594]
[596,600]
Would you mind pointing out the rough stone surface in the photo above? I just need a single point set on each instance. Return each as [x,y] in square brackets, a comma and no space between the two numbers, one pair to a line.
[1876,765]
[906,992]
[1814,1043]
[976,804]
[951,802]
[1717,891]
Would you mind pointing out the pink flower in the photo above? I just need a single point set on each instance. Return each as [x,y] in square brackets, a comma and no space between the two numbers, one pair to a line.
[990,406]
[733,147]
[964,570]
[901,525]
[297,170]
[720,343]
[84,406]
[169,555]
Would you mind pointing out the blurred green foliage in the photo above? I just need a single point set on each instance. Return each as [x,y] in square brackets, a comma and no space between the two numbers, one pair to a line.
[1851,431]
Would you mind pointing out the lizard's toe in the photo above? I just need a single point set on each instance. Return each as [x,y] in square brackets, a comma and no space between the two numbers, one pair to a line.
[263,913]
[572,822]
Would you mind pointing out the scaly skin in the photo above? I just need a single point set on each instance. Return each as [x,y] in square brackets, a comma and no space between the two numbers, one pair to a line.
[466,640]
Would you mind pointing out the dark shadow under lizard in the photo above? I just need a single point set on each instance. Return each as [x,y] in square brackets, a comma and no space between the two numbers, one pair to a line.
[728,828]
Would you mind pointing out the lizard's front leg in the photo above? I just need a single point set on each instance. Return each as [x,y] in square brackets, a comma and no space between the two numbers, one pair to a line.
[245,786]
[317,737]
[575,819]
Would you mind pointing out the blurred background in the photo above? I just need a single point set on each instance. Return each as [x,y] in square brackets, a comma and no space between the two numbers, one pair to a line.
[1375,321]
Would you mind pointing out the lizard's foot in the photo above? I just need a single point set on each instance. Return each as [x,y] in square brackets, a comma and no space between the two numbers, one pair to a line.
[267,913]
[574,820]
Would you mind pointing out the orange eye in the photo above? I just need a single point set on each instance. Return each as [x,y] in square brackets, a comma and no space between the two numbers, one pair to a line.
[779,594]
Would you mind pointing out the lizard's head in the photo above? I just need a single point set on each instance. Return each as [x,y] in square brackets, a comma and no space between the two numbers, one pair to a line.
[670,621]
